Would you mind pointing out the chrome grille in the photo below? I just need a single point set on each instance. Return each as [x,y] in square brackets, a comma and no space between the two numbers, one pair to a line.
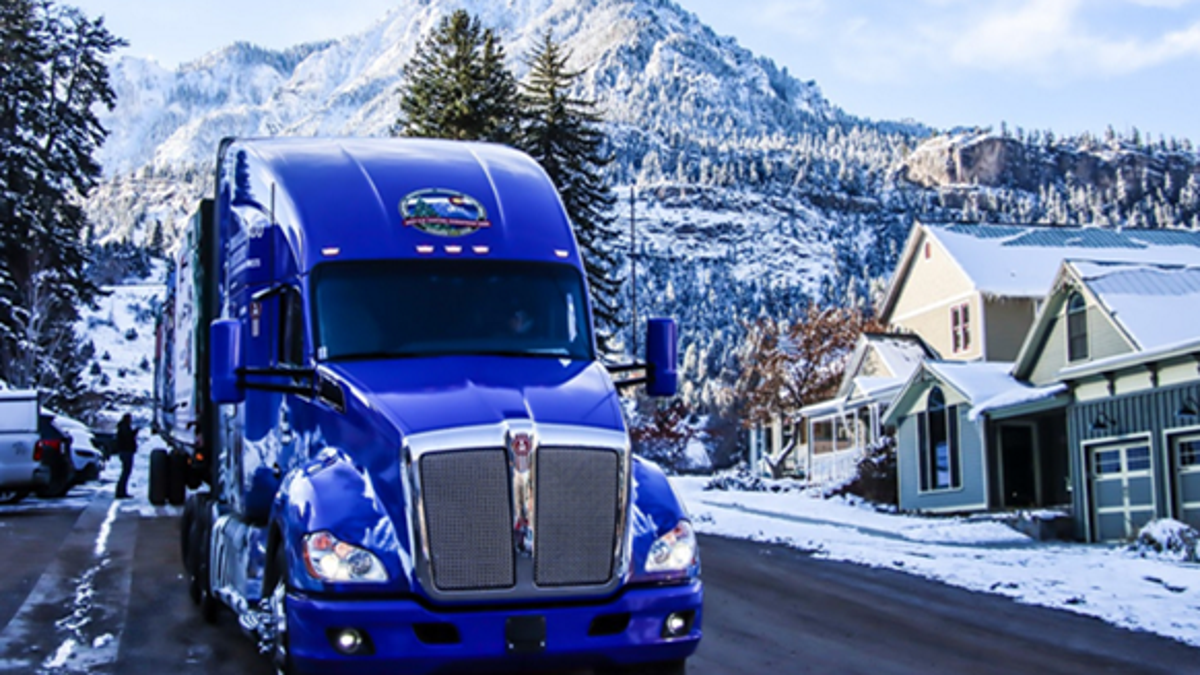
[577,492]
[468,516]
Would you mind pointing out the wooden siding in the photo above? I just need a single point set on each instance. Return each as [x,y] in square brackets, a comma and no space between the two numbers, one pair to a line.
[1152,413]
[971,496]
[1104,340]
[1007,321]
[874,366]
[929,282]
[933,324]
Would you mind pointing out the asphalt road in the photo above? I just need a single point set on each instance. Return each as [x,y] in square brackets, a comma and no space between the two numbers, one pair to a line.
[70,604]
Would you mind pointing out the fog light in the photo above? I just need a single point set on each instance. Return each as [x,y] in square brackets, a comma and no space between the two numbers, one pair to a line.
[348,641]
[677,624]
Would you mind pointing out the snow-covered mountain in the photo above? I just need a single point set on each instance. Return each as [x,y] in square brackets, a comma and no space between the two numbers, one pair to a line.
[754,194]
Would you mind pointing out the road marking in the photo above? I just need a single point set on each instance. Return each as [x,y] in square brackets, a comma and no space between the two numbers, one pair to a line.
[89,578]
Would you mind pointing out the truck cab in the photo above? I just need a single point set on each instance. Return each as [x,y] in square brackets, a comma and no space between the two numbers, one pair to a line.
[418,460]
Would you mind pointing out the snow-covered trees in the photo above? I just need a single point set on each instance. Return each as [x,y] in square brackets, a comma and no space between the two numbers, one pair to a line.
[458,85]
[53,76]
[563,133]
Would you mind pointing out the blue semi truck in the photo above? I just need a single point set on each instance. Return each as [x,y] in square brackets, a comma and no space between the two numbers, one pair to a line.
[409,457]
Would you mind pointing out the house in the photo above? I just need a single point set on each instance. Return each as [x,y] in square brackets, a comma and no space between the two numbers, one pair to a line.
[834,434]
[988,433]
[973,291]
[1125,339]
[824,442]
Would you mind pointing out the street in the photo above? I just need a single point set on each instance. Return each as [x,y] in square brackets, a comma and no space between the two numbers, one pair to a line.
[95,588]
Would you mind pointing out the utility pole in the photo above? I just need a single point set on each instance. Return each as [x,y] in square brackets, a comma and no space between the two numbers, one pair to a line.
[633,264]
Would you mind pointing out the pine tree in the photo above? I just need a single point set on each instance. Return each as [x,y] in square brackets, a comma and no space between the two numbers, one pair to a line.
[562,132]
[457,85]
[52,76]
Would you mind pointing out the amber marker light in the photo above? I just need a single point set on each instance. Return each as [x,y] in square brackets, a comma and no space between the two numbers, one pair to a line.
[480,250]
[561,253]
[425,250]
[453,250]
[331,251]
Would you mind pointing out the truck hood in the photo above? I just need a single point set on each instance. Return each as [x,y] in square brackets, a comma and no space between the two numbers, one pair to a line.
[430,394]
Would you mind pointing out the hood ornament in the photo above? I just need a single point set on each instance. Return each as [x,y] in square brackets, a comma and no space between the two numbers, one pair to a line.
[521,451]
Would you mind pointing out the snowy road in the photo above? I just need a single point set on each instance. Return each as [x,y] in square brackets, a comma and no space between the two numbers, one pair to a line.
[94,588]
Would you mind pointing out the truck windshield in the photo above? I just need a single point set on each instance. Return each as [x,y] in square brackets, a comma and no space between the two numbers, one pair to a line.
[407,308]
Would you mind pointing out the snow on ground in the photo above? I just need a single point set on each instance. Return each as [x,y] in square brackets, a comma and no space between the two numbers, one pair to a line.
[1156,594]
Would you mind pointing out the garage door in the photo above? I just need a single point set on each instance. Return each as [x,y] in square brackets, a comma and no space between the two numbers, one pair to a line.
[1122,490]
[1187,462]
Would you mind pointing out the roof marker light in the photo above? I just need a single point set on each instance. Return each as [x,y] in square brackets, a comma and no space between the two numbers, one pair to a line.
[480,250]
[330,251]
[454,250]
[561,253]
[425,250]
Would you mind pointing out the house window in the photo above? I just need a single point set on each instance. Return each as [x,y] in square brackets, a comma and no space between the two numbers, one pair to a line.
[928,250]
[1189,453]
[845,433]
[960,327]
[938,444]
[822,436]
[1077,336]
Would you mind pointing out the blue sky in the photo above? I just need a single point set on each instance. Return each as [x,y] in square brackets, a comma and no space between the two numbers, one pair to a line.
[1065,65]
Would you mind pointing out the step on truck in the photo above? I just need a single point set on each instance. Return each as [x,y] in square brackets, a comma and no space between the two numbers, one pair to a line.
[413,459]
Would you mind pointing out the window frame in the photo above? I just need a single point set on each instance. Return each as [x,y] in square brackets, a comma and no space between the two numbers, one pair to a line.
[927,451]
[960,328]
[1077,310]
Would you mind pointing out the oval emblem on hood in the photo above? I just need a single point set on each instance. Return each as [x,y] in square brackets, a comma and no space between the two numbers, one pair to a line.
[445,213]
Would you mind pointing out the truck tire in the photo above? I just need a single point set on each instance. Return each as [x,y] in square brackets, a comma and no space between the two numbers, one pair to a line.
[281,654]
[177,474]
[158,477]
[196,546]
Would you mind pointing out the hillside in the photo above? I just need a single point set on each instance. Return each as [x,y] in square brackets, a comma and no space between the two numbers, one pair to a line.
[754,194]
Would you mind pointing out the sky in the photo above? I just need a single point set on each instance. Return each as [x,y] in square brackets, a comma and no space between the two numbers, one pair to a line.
[1064,65]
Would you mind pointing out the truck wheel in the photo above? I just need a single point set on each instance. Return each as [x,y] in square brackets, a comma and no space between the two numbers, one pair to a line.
[12,496]
[177,470]
[281,656]
[158,477]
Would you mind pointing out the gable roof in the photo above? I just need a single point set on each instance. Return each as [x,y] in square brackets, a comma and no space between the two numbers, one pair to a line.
[900,353]
[987,385]
[1022,260]
[1154,304]
[1142,300]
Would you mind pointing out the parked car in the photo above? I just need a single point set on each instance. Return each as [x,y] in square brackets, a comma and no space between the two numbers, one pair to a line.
[87,461]
[22,466]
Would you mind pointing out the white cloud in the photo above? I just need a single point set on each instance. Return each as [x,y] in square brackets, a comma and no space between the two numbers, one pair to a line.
[1053,41]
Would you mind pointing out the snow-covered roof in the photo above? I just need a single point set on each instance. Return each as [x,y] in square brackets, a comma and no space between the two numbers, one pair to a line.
[987,385]
[901,354]
[1154,304]
[1022,260]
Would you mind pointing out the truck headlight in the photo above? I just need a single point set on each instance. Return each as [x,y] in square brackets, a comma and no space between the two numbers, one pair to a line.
[675,551]
[330,559]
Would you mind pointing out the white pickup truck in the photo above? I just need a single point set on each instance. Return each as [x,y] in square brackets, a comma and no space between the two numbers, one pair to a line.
[21,469]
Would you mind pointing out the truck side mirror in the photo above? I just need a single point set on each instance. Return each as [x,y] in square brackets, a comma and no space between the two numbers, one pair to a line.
[662,355]
[225,340]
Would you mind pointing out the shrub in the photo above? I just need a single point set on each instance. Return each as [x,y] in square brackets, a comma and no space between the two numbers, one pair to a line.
[875,480]
[1169,538]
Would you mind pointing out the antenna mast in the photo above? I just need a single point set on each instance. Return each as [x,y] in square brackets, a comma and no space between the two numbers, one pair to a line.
[633,264]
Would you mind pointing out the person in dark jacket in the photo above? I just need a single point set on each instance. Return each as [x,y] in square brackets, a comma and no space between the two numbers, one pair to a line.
[126,445]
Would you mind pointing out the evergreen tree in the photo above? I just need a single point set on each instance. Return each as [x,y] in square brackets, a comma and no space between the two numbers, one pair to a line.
[562,132]
[52,76]
[457,85]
